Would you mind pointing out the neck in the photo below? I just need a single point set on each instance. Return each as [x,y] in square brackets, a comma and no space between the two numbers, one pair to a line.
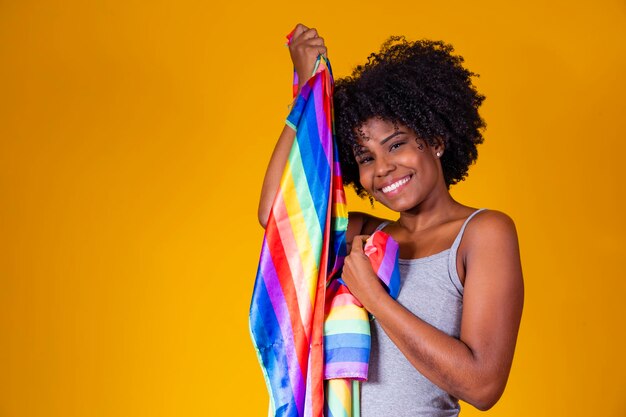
[437,209]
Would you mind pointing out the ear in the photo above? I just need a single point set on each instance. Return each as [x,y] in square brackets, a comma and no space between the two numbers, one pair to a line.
[438,147]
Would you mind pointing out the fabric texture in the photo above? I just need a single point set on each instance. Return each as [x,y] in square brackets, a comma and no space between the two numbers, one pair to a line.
[304,244]
[303,249]
[347,339]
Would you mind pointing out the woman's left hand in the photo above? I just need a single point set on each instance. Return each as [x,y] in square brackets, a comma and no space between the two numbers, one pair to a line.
[359,275]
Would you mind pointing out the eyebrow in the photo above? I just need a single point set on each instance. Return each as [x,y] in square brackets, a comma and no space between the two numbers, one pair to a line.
[360,149]
[393,135]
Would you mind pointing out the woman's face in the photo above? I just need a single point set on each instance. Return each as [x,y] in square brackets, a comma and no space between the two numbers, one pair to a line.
[395,167]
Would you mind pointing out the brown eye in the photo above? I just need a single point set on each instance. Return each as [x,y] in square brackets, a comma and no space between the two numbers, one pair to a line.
[364,160]
[396,145]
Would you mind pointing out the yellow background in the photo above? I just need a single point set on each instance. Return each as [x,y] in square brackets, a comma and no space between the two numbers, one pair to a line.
[133,141]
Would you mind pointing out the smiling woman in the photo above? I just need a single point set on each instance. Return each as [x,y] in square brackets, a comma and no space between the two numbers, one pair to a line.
[397,168]
[407,127]
[421,85]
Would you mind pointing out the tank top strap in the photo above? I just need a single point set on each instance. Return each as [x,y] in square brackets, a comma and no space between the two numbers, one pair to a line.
[457,240]
[382,225]
[454,275]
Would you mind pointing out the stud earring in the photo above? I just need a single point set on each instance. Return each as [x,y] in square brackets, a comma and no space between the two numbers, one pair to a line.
[439,153]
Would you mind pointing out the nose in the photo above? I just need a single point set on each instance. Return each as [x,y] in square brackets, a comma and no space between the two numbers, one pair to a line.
[384,166]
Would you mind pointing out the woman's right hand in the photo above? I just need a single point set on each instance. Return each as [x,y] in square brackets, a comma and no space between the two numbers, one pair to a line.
[305,46]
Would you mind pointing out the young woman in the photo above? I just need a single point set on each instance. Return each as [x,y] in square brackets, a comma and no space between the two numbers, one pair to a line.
[407,124]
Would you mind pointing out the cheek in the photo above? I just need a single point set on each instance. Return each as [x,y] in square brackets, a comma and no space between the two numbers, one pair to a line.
[365,177]
[362,175]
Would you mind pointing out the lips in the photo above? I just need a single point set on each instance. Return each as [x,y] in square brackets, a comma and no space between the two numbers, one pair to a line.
[395,185]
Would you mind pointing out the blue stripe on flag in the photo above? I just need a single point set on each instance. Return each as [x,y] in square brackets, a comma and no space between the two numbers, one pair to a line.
[358,340]
[347,354]
[267,338]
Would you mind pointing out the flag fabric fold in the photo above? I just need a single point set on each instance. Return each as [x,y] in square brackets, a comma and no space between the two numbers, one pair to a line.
[304,244]
[305,325]
[346,325]
[347,338]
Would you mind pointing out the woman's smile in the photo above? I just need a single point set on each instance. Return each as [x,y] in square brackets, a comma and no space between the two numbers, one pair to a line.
[394,186]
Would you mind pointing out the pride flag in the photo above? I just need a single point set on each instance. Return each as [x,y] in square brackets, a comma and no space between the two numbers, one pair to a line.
[347,338]
[306,326]
[304,244]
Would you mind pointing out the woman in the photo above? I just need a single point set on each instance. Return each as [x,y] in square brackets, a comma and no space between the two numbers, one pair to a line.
[407,126]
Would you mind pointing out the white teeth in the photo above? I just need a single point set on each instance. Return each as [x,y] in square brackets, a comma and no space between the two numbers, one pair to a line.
[395,185]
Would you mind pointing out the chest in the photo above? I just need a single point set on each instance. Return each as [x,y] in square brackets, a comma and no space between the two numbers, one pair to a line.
[424,243]
[429,243]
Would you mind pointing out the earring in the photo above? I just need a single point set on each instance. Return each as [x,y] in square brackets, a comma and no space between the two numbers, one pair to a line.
[439,153]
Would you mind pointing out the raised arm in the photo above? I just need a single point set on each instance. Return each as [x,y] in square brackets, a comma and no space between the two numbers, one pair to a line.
[304,48]
[476,366]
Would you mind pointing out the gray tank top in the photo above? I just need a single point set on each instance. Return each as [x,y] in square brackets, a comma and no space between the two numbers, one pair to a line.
[432,290]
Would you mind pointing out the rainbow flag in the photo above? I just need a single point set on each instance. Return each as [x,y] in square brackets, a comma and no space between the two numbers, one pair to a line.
[306,326]
[304,245]
[347,338]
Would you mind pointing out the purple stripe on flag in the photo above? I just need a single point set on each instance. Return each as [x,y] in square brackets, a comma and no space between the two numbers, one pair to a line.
[353,370]
[277,298]
[308,402]
[322,122]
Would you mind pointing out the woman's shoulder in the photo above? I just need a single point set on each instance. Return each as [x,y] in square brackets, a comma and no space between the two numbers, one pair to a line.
[489,226]
[487,219]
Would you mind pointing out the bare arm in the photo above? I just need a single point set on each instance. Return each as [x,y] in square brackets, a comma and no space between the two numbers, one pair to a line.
[274,172]
[305,46]
[474,367]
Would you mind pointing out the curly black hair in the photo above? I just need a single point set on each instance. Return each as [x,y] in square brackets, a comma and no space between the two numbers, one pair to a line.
[421,85]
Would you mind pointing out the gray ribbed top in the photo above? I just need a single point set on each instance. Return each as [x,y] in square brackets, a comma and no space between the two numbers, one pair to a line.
[431,289]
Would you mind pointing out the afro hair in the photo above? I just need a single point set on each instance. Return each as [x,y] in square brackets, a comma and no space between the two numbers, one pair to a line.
[421,85]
